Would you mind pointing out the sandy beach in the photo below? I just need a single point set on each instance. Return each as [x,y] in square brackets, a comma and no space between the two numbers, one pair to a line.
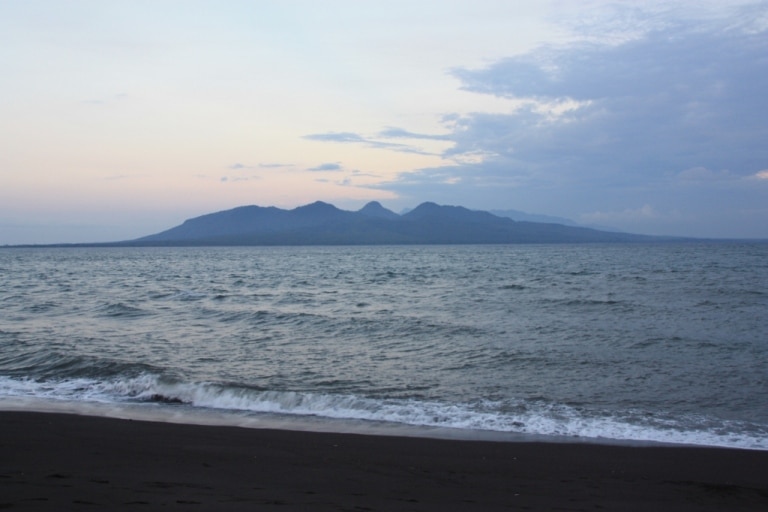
[68,462]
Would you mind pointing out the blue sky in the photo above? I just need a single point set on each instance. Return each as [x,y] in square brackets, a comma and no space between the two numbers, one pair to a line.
[121,119]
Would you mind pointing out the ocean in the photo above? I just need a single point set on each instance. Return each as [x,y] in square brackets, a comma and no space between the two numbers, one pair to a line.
[611,343]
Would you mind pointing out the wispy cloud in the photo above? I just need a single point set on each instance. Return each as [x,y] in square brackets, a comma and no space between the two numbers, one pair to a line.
[271,165]
[336,137]
[234,179]
[371,142]
[401,133]
[335,166]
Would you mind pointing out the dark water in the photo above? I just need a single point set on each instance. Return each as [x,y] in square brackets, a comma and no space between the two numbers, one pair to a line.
[633,342]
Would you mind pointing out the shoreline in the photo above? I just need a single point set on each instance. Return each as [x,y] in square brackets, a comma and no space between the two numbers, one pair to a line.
[56,461]
[190,415]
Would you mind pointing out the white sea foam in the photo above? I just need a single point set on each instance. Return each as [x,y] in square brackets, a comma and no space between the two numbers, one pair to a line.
[530,418]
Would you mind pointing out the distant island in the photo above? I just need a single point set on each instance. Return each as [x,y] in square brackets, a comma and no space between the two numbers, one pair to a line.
[321,223]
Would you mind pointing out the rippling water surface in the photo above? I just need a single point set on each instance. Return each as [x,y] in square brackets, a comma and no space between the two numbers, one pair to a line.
[635,342]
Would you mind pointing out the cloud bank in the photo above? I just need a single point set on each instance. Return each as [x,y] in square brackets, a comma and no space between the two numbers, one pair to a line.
[668,121]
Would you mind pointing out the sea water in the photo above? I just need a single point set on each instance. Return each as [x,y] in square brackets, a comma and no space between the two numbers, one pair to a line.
[657,342]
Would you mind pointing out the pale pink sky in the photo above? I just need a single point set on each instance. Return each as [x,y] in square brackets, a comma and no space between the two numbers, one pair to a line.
[121,119]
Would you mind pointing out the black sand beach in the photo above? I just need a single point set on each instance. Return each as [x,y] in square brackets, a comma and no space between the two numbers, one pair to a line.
[69,462]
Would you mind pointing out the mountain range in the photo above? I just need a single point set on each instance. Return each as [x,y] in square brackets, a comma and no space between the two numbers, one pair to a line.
[321,223]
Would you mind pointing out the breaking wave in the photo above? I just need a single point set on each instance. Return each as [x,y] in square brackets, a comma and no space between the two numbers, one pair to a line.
[523,417]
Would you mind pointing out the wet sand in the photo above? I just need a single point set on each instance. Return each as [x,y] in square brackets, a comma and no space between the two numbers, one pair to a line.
[69,462]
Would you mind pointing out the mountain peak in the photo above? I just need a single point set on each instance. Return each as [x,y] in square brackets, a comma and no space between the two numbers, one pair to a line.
[317,205]
[374,209]
[430,209]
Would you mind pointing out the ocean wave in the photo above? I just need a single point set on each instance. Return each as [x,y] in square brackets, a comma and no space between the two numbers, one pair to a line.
[536,417]
[58,366]
[121,310]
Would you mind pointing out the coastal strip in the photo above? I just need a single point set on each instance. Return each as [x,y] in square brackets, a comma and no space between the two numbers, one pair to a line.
[71,462]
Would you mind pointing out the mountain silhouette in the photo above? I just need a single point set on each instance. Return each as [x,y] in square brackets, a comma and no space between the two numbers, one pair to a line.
[374,209]
[321,223]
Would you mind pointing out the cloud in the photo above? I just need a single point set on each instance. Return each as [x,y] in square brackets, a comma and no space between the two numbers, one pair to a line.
[663,108]
[239,166]
[628,120]
[675,100]
[232,179]
[400,133]
[371,142]
[326,167]
[273,165]
[336,137]
[360,174]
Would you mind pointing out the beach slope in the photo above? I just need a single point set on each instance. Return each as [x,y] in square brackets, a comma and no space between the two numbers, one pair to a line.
[69,462]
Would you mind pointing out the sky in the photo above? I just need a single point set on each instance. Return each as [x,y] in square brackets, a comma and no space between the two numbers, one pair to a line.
[124,118]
